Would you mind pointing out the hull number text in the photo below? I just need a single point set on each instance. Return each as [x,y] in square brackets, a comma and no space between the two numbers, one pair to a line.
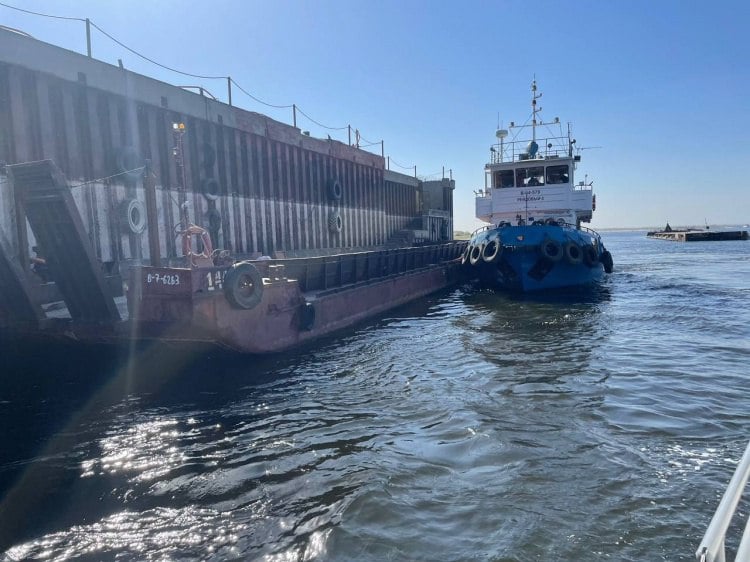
[162,279]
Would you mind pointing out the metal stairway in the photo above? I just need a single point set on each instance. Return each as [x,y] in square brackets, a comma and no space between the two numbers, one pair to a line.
[44,196]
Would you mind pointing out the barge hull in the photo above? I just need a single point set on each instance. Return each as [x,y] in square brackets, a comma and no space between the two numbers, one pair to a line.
[274,328]
[192,307]
[700,235]
[281,310]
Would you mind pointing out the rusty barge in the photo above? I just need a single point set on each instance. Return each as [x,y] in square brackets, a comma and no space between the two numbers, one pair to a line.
[131,209]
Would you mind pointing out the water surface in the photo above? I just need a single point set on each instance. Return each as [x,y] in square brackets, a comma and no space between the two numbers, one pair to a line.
[467,426]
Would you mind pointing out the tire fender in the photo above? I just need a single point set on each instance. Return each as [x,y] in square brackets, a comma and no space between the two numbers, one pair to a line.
[210,189]
[476,253]
[243,286]
[214,219]
[133,214]
[573,253]
[590,256]
[551,250]
[335,190]
[127,160]
[492,249]
[307,316]
[335,223]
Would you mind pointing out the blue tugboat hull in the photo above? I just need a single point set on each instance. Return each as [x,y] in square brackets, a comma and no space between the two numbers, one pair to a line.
[536,258]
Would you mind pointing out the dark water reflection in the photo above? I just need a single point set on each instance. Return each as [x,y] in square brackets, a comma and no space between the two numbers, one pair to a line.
[469,425]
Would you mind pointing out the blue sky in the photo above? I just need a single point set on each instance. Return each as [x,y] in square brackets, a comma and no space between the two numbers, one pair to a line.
[660,85]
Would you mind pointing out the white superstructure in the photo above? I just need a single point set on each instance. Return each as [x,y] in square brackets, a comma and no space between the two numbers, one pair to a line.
[533,180]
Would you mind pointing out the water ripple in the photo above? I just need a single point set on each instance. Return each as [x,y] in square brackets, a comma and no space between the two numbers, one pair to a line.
[466,426]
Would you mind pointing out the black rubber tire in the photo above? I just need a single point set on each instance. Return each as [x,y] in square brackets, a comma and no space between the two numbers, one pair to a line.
[476,254]
[307,317]
[243,286]
[335,223]
[210,189]
[134,215]
[214,219]
[551,250]
[590,257]
[466,253]
[335,191]
[573,253]
[127,160]
[495,245]
[607,262]
[209,157]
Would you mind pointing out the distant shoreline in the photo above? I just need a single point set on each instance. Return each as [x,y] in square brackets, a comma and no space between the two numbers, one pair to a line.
[465,235]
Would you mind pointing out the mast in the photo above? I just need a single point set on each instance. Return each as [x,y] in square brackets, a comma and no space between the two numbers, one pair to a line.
[534,109]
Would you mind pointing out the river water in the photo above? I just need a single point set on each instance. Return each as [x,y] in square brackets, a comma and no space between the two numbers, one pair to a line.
[466,426]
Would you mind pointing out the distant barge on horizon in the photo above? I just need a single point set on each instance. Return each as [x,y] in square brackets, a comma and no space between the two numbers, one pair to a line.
[696,235]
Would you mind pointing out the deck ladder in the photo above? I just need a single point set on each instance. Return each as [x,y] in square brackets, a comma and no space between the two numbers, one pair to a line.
[711,548]
[43,194]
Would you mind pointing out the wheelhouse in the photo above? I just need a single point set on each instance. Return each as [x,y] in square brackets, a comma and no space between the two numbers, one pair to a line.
[533,179]
[535,174]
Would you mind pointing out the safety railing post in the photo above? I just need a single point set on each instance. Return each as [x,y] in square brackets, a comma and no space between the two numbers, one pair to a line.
[88,37]
[711,548]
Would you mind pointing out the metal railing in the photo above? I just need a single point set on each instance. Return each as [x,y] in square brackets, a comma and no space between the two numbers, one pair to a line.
[591,231]
[511,151]
[712,547]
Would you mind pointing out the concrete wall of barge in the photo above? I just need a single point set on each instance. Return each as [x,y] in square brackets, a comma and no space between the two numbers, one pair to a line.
[258,185]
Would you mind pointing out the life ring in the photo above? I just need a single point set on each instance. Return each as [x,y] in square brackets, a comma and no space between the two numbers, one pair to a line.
[590,256]
[128,162]
[466,253]
[214,219]
[335,223]
[492,249]
[133,213]
[607,262]
[573,253]
[210,189]
[551,250]
[307,316]
[334,189]
[187,242]
[476,254]
[243,286]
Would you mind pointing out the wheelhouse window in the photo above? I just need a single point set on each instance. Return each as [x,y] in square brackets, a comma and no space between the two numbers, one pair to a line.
[557,174]
[528,177]
[503,178]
